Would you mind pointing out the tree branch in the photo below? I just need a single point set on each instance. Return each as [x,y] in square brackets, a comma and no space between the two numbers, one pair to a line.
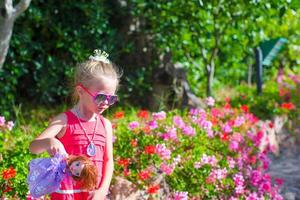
[21,7]
[6,5]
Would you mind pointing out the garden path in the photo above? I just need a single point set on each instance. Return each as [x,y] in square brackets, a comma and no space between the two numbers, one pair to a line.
[287,167]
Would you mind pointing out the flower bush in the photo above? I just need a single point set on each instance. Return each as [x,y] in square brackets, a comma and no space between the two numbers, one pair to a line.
[203,154]
[280,97]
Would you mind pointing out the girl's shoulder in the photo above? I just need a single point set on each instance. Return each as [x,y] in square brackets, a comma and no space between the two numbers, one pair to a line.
[107,122]
[59,119]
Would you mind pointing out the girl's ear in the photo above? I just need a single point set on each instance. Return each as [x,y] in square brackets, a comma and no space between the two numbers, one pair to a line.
[79,90]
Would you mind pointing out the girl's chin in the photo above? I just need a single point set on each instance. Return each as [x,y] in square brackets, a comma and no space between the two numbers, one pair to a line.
[100,110]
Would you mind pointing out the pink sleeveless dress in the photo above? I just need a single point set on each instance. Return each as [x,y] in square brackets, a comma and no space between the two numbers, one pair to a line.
[75,143]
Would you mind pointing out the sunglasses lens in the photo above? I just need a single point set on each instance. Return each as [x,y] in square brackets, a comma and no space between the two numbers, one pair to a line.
[100,98]
[113,100]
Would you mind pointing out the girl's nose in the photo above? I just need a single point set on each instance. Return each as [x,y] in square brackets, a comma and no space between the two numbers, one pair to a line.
[106,101]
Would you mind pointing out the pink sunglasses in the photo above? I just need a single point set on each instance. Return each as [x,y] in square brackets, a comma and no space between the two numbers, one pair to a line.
[101,98]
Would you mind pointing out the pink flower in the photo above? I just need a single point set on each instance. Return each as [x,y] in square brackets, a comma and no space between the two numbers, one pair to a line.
[195,111]
[239,183]
[2,121]
[180,196]
[168,169]
[216,112]
[206,125]
[239,121]
[114,139]
[133,125]
[210,133]
[231,162]
[258,138]
[218,174]
[255,177]
[170,134]
[159,115]
[279,181]
[210,101]
[234,145]
[177,120]
[211,160]
[162,151]
[226,128]
[152,124]
[188,130]
[265,186]
[197,165]
[254,196]
[177,160]
[10,125]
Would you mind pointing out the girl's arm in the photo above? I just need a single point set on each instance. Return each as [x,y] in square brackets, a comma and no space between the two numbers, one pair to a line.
[109,164]
[46,141]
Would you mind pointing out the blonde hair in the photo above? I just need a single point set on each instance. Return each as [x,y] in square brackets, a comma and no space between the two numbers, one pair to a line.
[90,70]
[89,173]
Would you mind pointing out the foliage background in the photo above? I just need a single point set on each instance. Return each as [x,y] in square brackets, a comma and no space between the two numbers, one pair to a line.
[51,37]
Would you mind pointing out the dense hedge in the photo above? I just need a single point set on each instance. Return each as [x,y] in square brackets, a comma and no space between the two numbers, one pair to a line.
[48,39]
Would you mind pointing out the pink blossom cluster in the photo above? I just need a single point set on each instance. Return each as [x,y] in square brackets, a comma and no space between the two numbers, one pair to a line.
[170,134]
[6,125]
[216,174]
[239,183]
[159,115]
[227,140]
[210,101]
[133,125]
[206,160]
[186,129]
[162,151]
[179,196]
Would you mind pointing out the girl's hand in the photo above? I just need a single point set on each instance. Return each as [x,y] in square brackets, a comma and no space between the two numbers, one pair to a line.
[56,147]
[97,195]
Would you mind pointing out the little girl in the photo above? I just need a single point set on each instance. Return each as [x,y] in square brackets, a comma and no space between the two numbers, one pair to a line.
[82,129]
[46,174]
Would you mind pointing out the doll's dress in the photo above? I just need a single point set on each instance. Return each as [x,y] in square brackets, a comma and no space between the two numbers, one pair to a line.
[46,174]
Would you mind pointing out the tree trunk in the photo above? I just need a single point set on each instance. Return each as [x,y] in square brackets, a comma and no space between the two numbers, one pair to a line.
[250,70]
[8,14]
[210,77]
[5,35]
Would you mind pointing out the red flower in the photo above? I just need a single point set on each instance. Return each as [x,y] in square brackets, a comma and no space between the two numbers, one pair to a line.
[147,129]
[271,125]
[153,189]
[227,99]
[150,149]
[245,108]
[214,121]
[252,159]
[9,173]
[114,126]
[126,172]
[279,181]
[227,106]
[288,106]
[119,115]
[123,162]
[224,137]
[133,142]
[144,175]
[7,189]
[144,114]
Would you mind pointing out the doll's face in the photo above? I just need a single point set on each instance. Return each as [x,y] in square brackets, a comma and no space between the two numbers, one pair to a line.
[76,168]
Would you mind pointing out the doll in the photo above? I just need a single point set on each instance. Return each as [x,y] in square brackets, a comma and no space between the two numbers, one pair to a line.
[46,174]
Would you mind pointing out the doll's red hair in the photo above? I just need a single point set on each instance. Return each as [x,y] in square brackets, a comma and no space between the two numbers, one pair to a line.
[89,173]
